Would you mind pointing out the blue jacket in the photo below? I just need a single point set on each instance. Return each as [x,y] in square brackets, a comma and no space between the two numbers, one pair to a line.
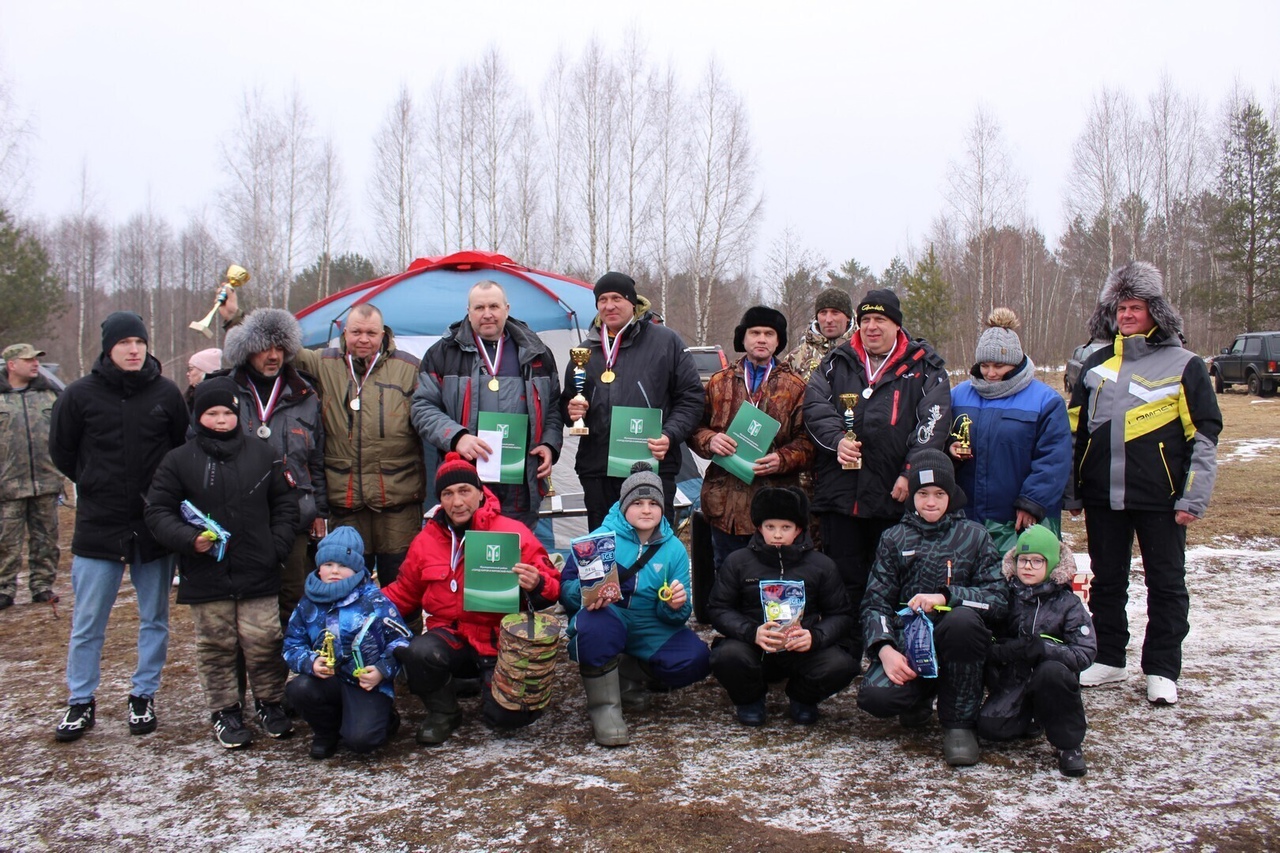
[1021,453]
[364,620]
[650,622]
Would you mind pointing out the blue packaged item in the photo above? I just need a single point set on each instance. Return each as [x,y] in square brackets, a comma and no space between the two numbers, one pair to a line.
[917,634]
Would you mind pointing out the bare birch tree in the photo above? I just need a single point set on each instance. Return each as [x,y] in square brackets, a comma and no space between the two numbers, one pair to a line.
[556,128]
[593,96]
[329,216]
[16,134]
[394,192]
[668,115]
[1094,182]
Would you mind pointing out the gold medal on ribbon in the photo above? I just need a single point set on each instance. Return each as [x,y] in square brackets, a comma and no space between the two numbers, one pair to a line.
[493,384]
[607,377]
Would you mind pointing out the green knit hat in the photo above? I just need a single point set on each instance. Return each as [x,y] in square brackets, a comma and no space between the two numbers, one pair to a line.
[1038,539]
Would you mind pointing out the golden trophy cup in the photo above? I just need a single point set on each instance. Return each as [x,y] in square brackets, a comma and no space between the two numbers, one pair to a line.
[961,432]
[235,277]
[850,402]
[580,357]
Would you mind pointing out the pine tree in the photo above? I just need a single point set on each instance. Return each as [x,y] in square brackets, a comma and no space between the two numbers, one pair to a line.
[928,306]
[29,290]
[1248,230]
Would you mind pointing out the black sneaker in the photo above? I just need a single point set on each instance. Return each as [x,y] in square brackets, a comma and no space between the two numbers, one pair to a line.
[1071,762]
[44,596]
[6,601]
[322,748]
[78,720]
[803,713]
[228,728]
[273,719]
[142,715]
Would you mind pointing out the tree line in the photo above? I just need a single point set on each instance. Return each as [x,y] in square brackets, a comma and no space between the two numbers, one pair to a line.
[616,162]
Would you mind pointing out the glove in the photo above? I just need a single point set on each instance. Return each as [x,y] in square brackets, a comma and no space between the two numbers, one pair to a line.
[1029,649]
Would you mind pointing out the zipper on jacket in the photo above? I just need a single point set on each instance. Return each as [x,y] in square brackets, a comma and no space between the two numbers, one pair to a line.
[1167,472]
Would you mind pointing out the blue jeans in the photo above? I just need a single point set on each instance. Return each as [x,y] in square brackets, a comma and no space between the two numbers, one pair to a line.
[96,583]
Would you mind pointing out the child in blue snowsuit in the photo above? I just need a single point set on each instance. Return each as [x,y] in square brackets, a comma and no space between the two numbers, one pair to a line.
[618,645]
[352,700]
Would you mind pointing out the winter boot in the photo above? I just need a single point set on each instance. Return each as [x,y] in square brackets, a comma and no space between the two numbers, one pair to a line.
[634,678]
[1071,762]
[442,717]
[604,704]
[960,747]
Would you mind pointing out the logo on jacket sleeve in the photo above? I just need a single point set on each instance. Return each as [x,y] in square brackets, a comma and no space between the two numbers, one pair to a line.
[925,432]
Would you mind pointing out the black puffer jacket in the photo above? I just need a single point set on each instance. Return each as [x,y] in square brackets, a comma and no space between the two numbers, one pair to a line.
[735,606]
[909,410]
[952,556]
[108,432]
[241,485]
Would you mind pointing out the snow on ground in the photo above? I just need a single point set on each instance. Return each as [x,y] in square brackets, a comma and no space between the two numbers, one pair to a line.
[1204,775]
[1246,449]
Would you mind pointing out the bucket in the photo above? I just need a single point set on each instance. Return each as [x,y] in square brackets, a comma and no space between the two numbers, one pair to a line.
[528,644]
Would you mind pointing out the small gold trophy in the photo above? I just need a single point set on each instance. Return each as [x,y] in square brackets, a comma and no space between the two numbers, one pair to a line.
[850,402]
[235,277]
[327,651]
[961,433]
[580,357]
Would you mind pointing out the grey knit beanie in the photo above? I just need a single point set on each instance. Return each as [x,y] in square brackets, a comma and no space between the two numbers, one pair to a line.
[643,483]
[999,343]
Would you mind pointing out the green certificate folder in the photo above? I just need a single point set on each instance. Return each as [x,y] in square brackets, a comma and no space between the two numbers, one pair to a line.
[515,443]
[489,585]
[629,432]
[754,432]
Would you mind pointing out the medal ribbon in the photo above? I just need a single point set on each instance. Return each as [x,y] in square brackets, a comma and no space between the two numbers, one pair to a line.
[359,383]
[264,412]
[456,549]
[751,370]
[611,351]
[872,376]
[492,366]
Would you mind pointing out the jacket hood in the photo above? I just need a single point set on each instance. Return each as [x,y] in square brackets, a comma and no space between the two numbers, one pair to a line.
[644,311]
[37,384]
[488,510]
[388,342]
[263,328]
[525,338]
[1134,280]
[128,381]
[1063,574]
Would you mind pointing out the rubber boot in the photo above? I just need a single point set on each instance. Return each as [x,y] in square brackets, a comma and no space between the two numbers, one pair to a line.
[634,678]
[604,705]
[960,747]
[442,717]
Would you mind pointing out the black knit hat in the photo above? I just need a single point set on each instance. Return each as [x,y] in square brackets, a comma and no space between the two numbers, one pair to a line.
[454,470]
[616,282]
[121,325]
[934,468]
[881,302]
[216,391]
[783,503]
[834,297]
[760,315]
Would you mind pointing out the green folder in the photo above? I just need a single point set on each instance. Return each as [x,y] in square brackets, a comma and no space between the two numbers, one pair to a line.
[515,443]
[754,432]
[489,584]
[630,429]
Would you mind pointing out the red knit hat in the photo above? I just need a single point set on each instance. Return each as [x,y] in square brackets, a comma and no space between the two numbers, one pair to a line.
[454,470]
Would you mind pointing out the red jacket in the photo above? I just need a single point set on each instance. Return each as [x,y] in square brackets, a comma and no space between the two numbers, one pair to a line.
[425,577]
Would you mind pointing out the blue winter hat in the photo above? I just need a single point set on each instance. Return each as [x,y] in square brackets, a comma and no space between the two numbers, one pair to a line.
[344,547]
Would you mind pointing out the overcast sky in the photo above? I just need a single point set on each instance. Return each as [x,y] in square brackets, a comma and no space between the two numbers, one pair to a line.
[856,108]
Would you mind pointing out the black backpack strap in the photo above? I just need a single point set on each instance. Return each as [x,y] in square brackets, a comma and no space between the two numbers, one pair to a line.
[626,574]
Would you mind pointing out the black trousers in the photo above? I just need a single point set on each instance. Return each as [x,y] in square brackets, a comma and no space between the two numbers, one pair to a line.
[601,493]
[1163,543]
[1051,697]
[339,710]
[745,670]
[432,659]
[851,543]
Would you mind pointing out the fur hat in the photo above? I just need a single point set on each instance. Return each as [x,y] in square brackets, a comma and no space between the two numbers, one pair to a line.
[760,315]
[643,483]
[120,325]
[216,391]
[616,282]
[999,343]
[785,503]
[1134,280]
[344,547]
[454,470]
[881,302]
[266,327]
[934,468]
[834,297]
[1038,539]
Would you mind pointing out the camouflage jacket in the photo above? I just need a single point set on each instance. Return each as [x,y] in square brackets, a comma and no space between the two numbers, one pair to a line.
[726,500]
[25,467]
[812,349]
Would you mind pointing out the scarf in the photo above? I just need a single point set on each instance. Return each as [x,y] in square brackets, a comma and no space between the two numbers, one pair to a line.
[329,593]
[1007,387]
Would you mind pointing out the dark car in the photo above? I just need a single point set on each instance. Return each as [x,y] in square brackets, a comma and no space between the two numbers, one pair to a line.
[709,361]
[1252,360]
[1077,361]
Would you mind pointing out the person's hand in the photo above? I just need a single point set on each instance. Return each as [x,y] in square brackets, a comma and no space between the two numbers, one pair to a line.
[659,446]
[320,668]
[527,576]
[318,529]
[578,409]
[227,310]
[770,637]
[469,447]
[203,544]
[925,602]
[1023,520]
[848,450]
[721,445]
[798,639]
[895,665]
[1184,518]
[953,449]
[769,464]
[544,461]
[370,678]
[678,596]
[900,491]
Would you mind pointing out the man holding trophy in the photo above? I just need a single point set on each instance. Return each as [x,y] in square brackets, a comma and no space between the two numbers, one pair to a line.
[865,446]
[488,367]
